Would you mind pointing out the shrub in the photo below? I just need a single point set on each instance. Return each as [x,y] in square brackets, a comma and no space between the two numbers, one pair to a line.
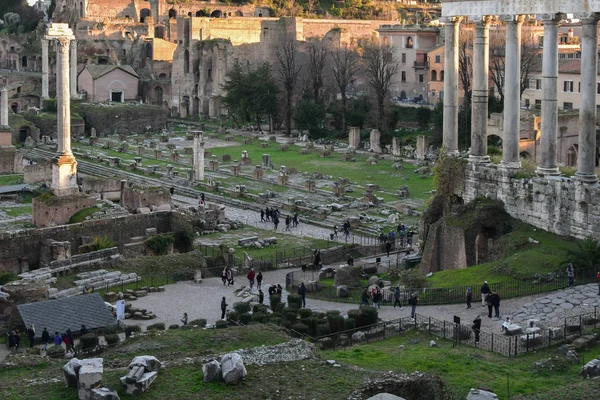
[55,351]
[275,319]
[174,326]
[336,323]
[305,312]
[322,330]
[300,328]
[129,329]
[319,315]
[101,243]
[233,316]
[160,244]
[8,277]
[370,315]
[220,324]
[290,315]
[111,339]
[241,307]
[295,301]
[88,341]
[201,322]
[260,317]
[355,315]
[259,308]
[349,323]
[245,318]
[275,301]
[183,241]
[112,329]
[311,324]
[410,278]
[156,327]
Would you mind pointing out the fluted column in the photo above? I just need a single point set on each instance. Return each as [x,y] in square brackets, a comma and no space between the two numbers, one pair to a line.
[4,107]
[73,60]
[198,156]
[548,164]
[512,92]
[63,101]
[480,93]
[450,127]
[45,68]
[586,155]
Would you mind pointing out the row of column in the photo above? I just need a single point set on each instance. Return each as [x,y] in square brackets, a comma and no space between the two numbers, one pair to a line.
[72,72]
[512,74]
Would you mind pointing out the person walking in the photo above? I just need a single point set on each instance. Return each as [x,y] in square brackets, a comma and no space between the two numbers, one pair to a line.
[490,305]
[268,214]
[414,299]
[288,221]
[275,221]
[365,297]
[259,279]
[251,275]
[495,300]
[223,307]
[485,290]
[397,297]
[229,277]
[58,340]
[17,336]
[469,297]
[295,220]
[377,298]
[261,296]
[45,339]
[302,293]
[262,215]
[68,341]
[31,336]
[184,320]
[388,247]
[476,327]
[202,199]
[570,274]
[224,276]
[11,341]
[317,259]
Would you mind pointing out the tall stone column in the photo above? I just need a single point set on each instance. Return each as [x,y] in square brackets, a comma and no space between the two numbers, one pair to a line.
[480,93]
[64,168]
[4,107]
[450,128]
[198,155]
[586,155]
[512,93]
[548,163]
[73,59]
[45,68]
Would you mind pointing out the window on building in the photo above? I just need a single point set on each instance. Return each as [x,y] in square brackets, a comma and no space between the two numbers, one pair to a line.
[527,103]
[434,75]
[598,87]
[579,87]
[421,78]
[438,59]
[526,83]
[568,86]
[403,76]
[567,106]
[442,76]
[538,85]
[404,58]
[409,43]
[441,94]
[538,104]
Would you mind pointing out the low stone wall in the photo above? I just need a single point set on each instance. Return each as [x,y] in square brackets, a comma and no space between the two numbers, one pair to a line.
[58,210]
[563,206]
[37,172]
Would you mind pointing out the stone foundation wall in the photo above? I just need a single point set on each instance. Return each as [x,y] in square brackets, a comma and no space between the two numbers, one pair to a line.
[563,206]
[58,210]
[37,172]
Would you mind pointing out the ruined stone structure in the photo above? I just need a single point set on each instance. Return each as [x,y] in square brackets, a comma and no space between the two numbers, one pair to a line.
[198,155]
[10,161]
[354,137]
[564,206]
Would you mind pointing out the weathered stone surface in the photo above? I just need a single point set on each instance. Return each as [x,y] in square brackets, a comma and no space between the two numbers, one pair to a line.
[478,394]
[104,394]
[591,369]
[385,396]
[150,363]
[233,369]
[572,357]
[374,280]
[70,372]
[141,385]
[358,336]
[89,376]
[348,276]
[341,291]
[584,342]
[211,371]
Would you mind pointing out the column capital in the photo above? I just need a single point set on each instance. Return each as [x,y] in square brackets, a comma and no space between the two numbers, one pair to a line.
[484,19]
[452,20]
[588,18]
[551,18]
[63,44]
[73,43]
[518,18]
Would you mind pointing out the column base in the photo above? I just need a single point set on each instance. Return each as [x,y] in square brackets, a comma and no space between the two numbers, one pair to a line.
[64,176]
[479,159]
[586,178]
[510,164]
[452,153]
[544,171]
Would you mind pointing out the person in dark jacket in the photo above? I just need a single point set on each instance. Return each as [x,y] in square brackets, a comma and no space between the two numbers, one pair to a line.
[31,336]
[365,297]
[83,330]
[317,259]
[388,247]
[302,292]
[485,290]
[476,328]
[259,279]
[17,336]
[469,297]
[11,340]
[397,297]
[223,307]
[413,301]
[261,296]
[45,339]
[495,301]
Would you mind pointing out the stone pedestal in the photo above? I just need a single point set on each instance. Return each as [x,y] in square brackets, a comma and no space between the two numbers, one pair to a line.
[421,147]
[158,154]
[310,185]
[198,155]
[64,175]
[236,169]
[266,161]
[396,150]
[338,190]
[283,179]
[354,137]
[213,164]
[258,173]
[375,141]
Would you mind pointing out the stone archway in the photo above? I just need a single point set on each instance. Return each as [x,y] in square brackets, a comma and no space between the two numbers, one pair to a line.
[158,95]
[216,14]
[201,13]
[172,13]
[159,32]
[196,107]
[144,12]
[571,160]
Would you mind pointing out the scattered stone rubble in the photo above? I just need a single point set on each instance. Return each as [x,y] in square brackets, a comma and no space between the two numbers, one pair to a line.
[231,369]
[255,242]
[591,369]
[86,376]
[142,372]
[284,352]
[479,394]
[96,280]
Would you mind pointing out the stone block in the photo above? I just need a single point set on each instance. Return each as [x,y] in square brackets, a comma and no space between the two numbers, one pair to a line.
[341,291]
[111,297]
[385,396]
[70,372]
[150,363]
[233,369]
[89,376]
[104,394]
[591,369]
[478,394]
[211,371]
[141,385]
[358,336]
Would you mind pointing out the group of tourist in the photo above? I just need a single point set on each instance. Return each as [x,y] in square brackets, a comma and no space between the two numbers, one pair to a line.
[227,276]
[273,214]
[14,339]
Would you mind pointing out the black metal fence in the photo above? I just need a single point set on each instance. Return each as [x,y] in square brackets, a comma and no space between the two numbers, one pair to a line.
[449,295]
[509,346]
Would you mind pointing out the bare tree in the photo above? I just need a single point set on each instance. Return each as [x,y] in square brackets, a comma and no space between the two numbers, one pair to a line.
[380,68]
[345,66]
[316,66]
[288,76]
[465,66]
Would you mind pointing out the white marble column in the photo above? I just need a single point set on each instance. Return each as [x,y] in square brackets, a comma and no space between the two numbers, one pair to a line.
[45,68]
[450,127]
[512,92]
[586,155]
[548,163]
[63,101]
[480,93]
[73,60]
[4,107]
[198,156]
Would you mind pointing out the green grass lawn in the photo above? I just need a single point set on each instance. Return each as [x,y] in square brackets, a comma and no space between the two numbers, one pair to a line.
[7,180]
[81,215]
[17,211]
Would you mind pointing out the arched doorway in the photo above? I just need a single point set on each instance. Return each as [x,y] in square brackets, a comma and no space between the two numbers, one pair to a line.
[216,14]
[238,13]
[185,106]
[24,62]
[15,107]
[525,155]
[196,107]
[102,61]
[159,32]
[201,13]
[23,133]
[172,14]
[572,156]
[144,12]
[442,76]
[162,75]
[158,95]
[434,75]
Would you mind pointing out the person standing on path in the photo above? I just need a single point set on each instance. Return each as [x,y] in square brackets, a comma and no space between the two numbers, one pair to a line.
[469,297]
[184,320]
[414,299]
[476,328]
[223,307]
[365,297]
[388,247]
[251,276]
[31,336]
[302,292]
[317,260]
[490,305]
[261,296]
[11,341]
[259,279]
[224,276]
[495,300]
[262,215]
[229,277]
[57,339]
[570,274]
[295,220]
[45,339]
[376,298]
[268,214]
[397,297]
[485,290]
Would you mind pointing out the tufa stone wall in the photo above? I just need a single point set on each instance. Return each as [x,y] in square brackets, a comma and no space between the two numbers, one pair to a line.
[122,118]
[58,210]
[134,198]
[560,205]
[40,172]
